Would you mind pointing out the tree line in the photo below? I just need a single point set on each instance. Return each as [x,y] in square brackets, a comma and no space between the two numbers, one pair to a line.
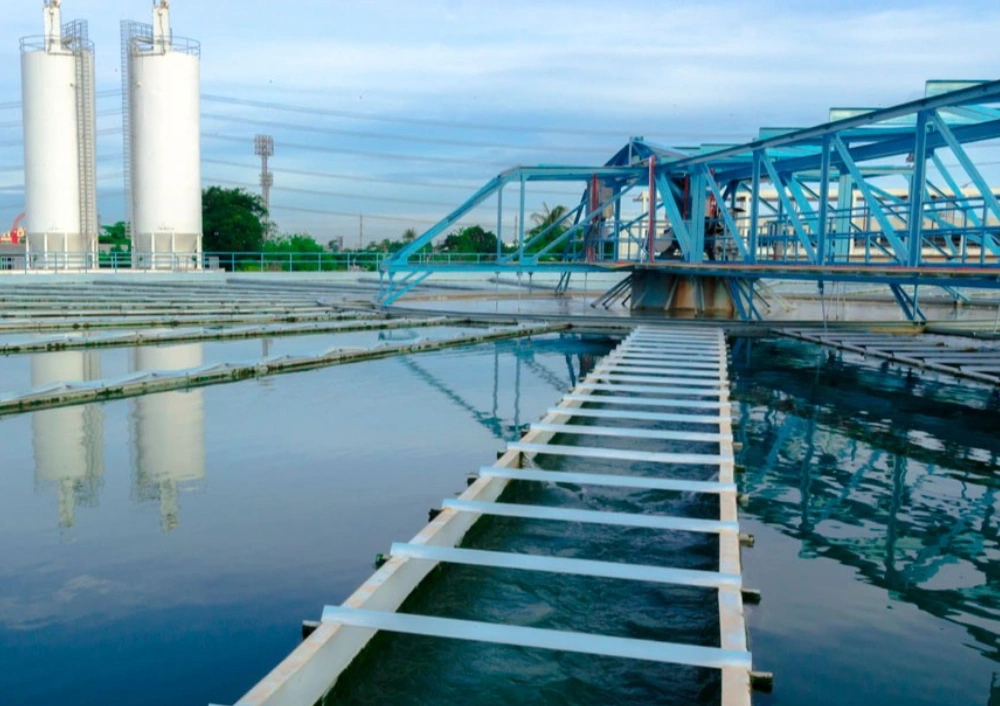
[236,221]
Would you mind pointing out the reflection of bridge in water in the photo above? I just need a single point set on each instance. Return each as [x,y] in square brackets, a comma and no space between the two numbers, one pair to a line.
[579,357]
[882,472]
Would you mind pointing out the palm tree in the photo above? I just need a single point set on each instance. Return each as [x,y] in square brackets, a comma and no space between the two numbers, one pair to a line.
[547,217]
[545,220]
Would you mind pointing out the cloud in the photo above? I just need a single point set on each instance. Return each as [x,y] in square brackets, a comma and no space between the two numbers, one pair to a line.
[675,72]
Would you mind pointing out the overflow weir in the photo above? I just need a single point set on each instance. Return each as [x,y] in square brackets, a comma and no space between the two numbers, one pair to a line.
[643,409]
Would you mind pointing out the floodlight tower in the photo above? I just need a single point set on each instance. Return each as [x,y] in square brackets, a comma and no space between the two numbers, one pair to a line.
[263,147]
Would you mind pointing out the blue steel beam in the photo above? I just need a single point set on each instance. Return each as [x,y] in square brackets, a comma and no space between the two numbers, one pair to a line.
[981,93]
[967,164]
[873,203]
[674,215]
[824,201]
[793,217]
[872,150]
[801,163]
[726,215]
[956,192]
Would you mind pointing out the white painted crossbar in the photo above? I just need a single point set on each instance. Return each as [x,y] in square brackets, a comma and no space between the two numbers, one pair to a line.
[623,519]
[672,369]
[673,331]
[619,454]
[628,432]
[638,482]
[649,334]
[665,361]
[707,352]
[656,380]
[672,337]
[672,343]
[638,416]
[562,565]
[562,640]
[612,387]
[711,355]
[705,341]
[644,401]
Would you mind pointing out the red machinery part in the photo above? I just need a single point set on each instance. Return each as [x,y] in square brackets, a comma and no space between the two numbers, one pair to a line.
[15,233]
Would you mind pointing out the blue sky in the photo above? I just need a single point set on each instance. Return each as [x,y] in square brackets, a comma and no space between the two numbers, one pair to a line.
[567,81]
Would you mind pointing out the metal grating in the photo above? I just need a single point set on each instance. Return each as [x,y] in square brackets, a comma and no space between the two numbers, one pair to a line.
[732,656]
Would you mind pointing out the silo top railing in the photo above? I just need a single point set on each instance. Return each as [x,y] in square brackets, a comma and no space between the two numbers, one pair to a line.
[141,42]
[67,44]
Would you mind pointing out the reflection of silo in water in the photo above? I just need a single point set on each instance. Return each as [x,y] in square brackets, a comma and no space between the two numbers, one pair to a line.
[68,441]
[168,433]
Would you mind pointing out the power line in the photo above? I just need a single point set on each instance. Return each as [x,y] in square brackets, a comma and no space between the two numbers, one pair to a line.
[401,138]
[311,192]
[352,215]
[467,186]
[100,133]
[366,153]
[335,194]
[102,159]
[406,121]
[12,105]
[352,177]
[98,114]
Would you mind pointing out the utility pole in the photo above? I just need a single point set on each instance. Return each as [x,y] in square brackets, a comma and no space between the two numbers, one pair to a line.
[361,231]
[263,147]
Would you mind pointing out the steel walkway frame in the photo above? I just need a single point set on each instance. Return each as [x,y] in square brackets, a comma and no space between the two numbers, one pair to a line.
[981,364]
[818,205]
[344,630]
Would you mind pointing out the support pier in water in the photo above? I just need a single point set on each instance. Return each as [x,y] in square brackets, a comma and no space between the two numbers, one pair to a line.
[651,389]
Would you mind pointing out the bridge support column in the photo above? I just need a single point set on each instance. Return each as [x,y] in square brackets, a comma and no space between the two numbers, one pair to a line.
[683,296]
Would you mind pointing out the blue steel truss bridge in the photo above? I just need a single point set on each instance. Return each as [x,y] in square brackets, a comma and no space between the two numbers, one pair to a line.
[892,196]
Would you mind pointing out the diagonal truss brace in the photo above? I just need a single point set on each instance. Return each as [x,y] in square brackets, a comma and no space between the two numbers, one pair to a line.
[793,215]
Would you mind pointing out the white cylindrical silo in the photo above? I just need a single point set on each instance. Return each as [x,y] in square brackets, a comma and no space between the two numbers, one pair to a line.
[168,432]
[68,441]
[57,78]
[164,78]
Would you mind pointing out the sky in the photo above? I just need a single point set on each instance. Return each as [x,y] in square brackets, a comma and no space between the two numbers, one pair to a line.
[401,110]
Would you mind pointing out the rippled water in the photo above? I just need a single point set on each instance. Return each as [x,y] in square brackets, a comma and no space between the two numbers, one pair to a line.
[166,548]
[170,545]
[871,495]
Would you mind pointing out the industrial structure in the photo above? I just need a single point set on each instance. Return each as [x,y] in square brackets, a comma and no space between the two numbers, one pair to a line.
[68,442]
[57,79]
[815,204]
[263,147]
[165,462]
[162,128]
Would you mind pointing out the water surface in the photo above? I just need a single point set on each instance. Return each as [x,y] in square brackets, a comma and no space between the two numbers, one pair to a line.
[169,546]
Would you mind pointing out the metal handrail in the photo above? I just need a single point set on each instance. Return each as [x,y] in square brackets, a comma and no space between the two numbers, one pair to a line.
[249,261]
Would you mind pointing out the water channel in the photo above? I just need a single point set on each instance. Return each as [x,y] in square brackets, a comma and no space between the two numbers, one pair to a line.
[164,549]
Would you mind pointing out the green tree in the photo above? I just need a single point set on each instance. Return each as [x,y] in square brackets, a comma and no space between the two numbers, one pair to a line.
[114,233]
[293,243]
[472,239]
[116,245]
[233,220]
[409,235]
[544,220]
